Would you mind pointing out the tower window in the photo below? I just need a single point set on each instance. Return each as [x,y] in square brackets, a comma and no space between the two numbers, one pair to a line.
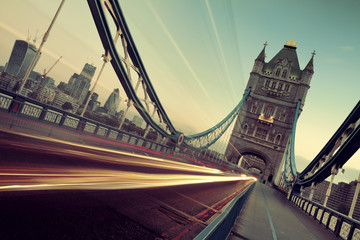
[267,83]
[280,85]
[253,108]
[284,73]
[282,117]
[246,127]
[272,85]
[278,138]
[268,111]
[287,86]
[277,73]
[261,133]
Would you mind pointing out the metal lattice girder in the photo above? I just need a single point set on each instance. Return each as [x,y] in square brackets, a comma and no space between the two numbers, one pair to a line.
[131,61]
[337,151]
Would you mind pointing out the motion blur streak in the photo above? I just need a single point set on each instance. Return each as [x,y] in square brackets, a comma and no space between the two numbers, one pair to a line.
[125,158]
[42,179]
[67,165]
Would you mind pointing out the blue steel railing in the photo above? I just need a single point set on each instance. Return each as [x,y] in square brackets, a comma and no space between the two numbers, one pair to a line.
[342,226]
[221,227]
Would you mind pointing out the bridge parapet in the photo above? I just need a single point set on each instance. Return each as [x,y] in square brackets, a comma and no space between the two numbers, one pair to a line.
[339,149]
[339,224]
[25,108]
[220,228]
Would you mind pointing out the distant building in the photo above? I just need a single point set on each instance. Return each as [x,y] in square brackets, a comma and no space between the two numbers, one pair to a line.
[79,85]
[92,103]
[112,103]
[138,121]
[340,198]
[46,94]
[8,81]
[120,114]
[61,98]
[20,59]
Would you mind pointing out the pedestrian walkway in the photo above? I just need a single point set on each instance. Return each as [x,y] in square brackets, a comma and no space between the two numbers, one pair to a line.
[269,215]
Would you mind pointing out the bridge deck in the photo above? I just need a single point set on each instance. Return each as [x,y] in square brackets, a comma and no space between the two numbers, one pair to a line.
[269,215]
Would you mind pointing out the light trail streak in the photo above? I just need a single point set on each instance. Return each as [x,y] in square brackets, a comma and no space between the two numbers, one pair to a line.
[94,179]
[126,158]
[141,171]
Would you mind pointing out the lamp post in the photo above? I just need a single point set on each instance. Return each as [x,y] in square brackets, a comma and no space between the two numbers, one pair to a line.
[334,171]
[356,194]
[46,35]
[312,191]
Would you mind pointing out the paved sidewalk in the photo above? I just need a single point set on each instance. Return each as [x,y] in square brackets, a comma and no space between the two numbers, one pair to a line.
[269,215]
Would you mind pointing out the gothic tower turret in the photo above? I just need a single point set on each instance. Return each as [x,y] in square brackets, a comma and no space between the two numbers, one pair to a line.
[264,123]
[260,61]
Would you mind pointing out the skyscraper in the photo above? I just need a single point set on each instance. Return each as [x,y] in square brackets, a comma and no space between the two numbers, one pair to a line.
[20,59]
[112,103]
[138,121]
[79,85]
[264,124]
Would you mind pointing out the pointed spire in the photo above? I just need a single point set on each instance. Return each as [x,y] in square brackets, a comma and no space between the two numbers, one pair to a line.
[310,65]
[261,56]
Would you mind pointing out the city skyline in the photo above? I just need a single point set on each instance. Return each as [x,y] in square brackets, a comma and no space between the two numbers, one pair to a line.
[186,40]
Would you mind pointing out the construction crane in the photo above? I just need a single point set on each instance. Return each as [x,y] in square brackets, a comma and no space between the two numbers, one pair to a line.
[43,77]
[47,72]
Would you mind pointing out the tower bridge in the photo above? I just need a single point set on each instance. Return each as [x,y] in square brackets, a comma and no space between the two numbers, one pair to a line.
[264,124]
[73,177]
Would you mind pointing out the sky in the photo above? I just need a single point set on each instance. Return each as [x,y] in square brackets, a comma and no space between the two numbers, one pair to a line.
[199,54]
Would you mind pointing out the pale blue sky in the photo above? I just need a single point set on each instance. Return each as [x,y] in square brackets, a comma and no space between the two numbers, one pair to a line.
[199,54]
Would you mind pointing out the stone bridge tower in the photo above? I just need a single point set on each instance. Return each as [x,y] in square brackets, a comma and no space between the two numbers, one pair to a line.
[264,123]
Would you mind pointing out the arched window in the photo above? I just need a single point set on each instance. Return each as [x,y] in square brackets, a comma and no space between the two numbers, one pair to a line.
[277,73]
[284,73]
[278,138]
[245,128]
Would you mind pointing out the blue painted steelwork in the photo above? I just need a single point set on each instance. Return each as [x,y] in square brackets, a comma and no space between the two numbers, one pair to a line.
[221,126]
[286,178]
[341,156]
[98,9]
[320,167]
[291,147]
[98,14]
[220,228]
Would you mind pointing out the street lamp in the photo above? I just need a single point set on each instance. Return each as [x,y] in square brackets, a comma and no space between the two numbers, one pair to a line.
[46,35]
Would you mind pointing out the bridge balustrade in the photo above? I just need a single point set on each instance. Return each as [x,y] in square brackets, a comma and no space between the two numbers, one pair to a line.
[221,227]
[339,224]
[23,107]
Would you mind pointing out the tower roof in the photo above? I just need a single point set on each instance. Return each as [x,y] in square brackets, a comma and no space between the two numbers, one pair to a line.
[289,53]
[310,65]
[261,56]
